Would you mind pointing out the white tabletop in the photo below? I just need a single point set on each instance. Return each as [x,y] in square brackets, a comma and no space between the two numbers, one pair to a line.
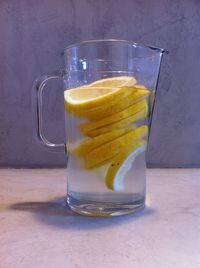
[37,230]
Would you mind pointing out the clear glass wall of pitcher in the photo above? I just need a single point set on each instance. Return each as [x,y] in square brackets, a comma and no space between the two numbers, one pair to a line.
[109,92]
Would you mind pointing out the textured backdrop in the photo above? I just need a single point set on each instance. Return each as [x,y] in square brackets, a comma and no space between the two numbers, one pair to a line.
[33,34]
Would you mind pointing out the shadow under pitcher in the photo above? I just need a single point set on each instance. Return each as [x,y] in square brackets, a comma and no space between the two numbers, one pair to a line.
[109,91]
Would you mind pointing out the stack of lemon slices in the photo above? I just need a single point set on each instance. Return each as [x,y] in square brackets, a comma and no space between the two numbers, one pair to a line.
[112,108]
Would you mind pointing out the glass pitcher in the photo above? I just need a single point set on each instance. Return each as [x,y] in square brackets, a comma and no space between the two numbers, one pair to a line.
[109,91]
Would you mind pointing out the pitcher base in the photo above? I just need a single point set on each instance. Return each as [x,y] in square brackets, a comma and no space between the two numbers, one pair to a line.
[103,209]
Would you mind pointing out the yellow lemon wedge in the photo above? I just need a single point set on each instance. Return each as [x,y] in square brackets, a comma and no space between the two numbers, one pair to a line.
[121,164]
[141,106]
[107,151]
[98,93]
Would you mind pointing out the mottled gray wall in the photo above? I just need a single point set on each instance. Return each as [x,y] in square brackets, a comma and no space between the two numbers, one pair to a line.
[33,34]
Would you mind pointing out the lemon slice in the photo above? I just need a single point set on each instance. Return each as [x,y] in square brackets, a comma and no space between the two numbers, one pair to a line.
[126,122]
[86,128]
[116,105]
[117,81]
[91,144]
[108,150]
[122,164]
[97,93]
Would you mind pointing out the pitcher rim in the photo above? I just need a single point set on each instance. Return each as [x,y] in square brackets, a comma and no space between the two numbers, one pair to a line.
[161,50]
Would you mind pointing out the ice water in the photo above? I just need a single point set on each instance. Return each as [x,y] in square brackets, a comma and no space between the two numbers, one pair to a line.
[90,184]
[87,190]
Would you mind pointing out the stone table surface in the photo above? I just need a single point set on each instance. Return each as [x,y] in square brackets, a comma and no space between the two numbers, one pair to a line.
[37,230]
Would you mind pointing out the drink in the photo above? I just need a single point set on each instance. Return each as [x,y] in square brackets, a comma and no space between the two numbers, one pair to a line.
[107,138]
[109,94]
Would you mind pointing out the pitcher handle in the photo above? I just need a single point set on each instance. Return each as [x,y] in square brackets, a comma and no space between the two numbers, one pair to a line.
[37,100]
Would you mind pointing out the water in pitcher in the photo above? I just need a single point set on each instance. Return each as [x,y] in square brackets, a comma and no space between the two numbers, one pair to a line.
[109,94]
[106,142]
